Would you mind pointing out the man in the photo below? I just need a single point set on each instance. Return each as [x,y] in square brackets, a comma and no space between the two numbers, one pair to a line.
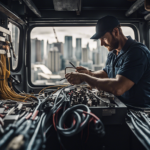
[127,70]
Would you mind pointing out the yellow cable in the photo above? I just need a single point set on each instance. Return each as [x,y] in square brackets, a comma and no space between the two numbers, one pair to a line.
[5,91]
[51,87]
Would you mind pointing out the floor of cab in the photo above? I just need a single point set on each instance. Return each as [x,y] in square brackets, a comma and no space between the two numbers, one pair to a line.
[117,137]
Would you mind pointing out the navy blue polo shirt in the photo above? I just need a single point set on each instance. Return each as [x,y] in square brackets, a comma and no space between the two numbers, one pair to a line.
[132,62]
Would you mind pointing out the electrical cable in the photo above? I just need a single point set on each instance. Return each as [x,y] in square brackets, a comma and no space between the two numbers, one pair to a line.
[51,87]
[36,111]
[79,125]
[32,140]
[145,119]
[10,130]
[143,138]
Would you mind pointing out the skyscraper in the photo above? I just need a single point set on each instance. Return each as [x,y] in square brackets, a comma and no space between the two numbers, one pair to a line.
[42,50]
[84,55]
[103,52]
[99,53]
[89,52]
[78,48]
[53,62]
[37,50]
[59,45]
[33,49]
[68,50]
[48,46]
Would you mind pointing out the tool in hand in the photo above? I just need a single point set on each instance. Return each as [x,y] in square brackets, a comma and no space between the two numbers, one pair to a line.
[72,66]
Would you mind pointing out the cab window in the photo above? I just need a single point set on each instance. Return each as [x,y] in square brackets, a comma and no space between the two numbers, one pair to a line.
[52,48]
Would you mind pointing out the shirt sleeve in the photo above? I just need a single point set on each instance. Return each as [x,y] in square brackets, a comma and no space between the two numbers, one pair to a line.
[104,69]
[134,66]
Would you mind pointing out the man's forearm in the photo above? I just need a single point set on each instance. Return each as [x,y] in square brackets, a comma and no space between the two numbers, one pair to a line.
[98,74]
[106,84]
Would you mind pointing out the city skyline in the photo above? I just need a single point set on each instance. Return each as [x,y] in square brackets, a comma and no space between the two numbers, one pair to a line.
[47,34]
[80,55]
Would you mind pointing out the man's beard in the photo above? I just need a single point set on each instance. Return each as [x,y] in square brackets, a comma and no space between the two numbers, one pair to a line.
[113,45]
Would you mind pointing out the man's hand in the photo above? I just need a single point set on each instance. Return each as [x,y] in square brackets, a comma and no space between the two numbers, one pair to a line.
[74,77]
[82,70]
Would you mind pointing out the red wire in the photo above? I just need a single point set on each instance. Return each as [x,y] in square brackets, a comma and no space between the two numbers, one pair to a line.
[74,121]
[54,118]
[54,122]
[92,115]
[35,114]
[88,129]
[55,114]
[92,119]
[29,115]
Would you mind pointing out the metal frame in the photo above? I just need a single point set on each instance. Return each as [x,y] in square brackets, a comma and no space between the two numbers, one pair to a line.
[10,14]
[32,7]
[30,85]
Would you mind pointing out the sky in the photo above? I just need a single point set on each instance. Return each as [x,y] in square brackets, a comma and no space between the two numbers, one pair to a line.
[46,33]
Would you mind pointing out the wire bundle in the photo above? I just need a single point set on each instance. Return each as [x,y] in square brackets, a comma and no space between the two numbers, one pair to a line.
[80,116]
[7,92]
[29,131]
[141,125]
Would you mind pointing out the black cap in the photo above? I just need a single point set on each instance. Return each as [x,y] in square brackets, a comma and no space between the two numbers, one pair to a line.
[104,25]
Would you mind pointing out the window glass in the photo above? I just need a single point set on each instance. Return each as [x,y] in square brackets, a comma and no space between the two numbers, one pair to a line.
[52,48]
[15,33]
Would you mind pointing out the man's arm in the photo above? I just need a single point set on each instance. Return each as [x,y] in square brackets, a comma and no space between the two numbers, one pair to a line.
[116,86]
[97,74]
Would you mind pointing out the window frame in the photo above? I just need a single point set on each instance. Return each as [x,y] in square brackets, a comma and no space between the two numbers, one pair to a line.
[19,64]
[67,24]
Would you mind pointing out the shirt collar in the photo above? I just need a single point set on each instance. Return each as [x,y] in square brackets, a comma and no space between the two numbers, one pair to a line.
[126,46]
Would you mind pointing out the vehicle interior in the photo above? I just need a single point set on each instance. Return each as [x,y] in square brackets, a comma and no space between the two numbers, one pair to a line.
[40,42]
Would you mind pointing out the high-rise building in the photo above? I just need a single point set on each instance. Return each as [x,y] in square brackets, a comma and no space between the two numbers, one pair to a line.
[42,50]
[103,52]
[100,53]
[78,48]
[33,49]
[84,55]
[53,62]
[37,50]
[89,52]
[68,50]
[48,46]
[60,46]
